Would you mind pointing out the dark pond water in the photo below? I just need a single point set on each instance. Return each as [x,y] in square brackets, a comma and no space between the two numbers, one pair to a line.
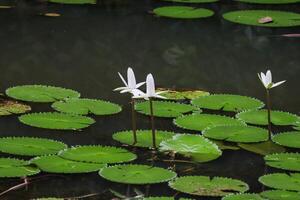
[86,47]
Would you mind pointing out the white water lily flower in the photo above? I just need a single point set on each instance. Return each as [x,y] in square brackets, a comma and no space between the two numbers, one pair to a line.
[266,80]
[131,84]
[150,93]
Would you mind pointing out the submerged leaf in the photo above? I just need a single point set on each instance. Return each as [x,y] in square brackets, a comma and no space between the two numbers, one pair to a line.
[281,181]
[182,12]
[263,148]
[12,107]
[287,161]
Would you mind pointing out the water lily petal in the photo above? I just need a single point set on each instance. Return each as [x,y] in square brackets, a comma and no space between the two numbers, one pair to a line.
[131,78]
[123,80]
[150,85]
[120,88]
[139,84]
[268,77]
[277,84]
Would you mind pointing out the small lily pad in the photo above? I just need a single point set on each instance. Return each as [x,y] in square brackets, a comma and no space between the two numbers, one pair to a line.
[136,174]
[206,186]
[97,154]
[17,171]
[74,1]
[245,134]
[30,146]
[6,162]
[260,117]
[251,17]
[288,139]
[243,197]
[287,161]
[56,164]
[182,94]
[59,121]
[144,137]
[262,148]
[199,122]
[282,181]
[197,147]
[165,108]
[280,195]
[227,102]
[12,107]
[269,1]
[86,106]
[40,93]
[183,12]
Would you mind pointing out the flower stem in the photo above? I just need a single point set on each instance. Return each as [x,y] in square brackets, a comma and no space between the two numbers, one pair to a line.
[133,121]
[269,113]
[152,124]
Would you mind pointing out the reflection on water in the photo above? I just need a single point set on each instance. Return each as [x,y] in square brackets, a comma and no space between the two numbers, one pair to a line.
[86,47]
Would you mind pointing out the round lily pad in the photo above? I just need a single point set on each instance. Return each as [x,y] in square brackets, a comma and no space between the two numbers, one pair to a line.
[227,102]
[144,137]
[86,106]
[182,12]
[252,17]
[288,139]
[6,162]
[199,122]
[262,148]
[269,1]
[59,121]
[97,154]
[12,107]
[40,93]
[30,146]
[164,108]
[243,197]
[246,134]
[282,181]
[287,161]
[280,195]
[193,1]
[260,117]
[74,1]
[17,171]
[136,174]
[56,164]
[206,186]
[181,94]
[197,147]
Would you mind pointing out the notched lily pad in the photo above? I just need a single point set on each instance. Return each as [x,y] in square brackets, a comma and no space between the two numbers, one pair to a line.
[137,174]
[8,107]
[58,121]
[280,195]
[243,197]
[206,186]
[183,12]
[282,181]
[6,162]
[288,139]
[262,148]
[86,106]
[182,94]
[287,161]
[269,1]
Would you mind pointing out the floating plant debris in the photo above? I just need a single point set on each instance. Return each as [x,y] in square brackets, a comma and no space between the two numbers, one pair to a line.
[199,122]
[74,1]
[181,94]
[206,186]
[251,17]
[136,174]
[165,108]
[8,107]
[287,161]
[197,147]
[262,148]
[6,7]
[288,139]
[58,121]
[269,1]
[86,106]
[30,146]
[265,20]
[280,195]
[282,181]
[144,137]
[97,154]
[227,102]
[51,14]
[56,164]
[182,12]
[245,134]
[40,93]
[243,197]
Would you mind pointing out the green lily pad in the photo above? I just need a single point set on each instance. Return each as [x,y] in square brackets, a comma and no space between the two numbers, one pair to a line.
[59,121]
[74,1]
[287,161]
[245,134]
[164,108]
[260,117]
[199,122]
[269,1]
[197,147]
[243,197]
[136,174]
[288,139]
[144,137]
[6,162]
[159,198]
[17,171]
[281,181]
[12,107]
[56,164]
[227,102]
[40,93]
[262,148]
[97,154]
[30,146]
[193,1]
[86,106]
[280,195]
[206,186]
[181,94]
[252,17]
[183,12]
